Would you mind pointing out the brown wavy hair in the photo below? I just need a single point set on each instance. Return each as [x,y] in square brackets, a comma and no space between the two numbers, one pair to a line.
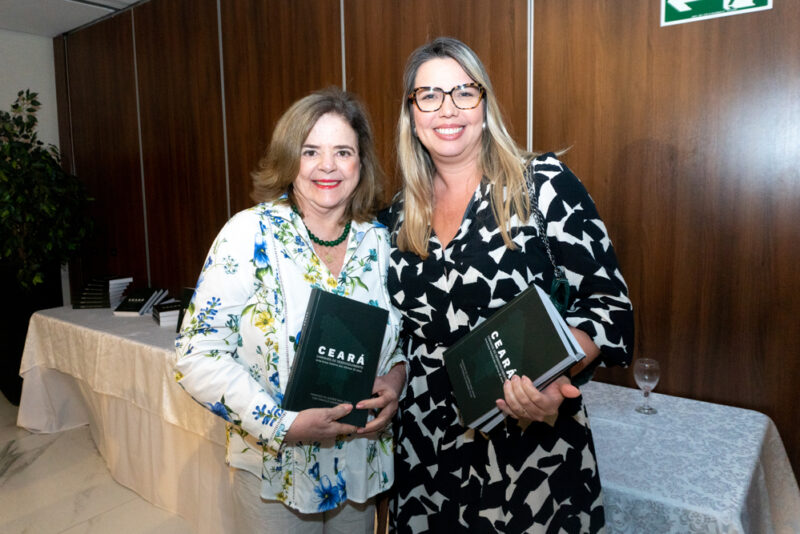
[278,169]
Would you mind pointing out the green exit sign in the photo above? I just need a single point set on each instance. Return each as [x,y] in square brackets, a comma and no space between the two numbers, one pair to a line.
[680,11]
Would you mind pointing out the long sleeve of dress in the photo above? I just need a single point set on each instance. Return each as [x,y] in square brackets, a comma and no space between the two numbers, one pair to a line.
[208,344]
[599,303]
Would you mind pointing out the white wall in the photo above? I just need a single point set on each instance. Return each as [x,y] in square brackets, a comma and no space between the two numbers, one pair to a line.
[26,62]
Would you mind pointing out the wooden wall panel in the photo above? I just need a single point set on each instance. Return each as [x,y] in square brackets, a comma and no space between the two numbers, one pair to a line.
[379,36]
[62,101]
[104,129]
[275,51]
[688,138]
[177,55]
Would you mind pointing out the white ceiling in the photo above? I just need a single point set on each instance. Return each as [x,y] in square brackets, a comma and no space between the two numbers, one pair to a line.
[49,18]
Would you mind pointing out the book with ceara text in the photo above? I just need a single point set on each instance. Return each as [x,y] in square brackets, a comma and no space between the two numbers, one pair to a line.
[337,356]
[526,337]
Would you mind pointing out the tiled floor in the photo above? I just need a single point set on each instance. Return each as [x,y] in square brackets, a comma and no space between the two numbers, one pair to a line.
[59,483]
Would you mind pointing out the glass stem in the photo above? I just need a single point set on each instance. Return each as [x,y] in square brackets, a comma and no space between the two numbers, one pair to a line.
[647,399]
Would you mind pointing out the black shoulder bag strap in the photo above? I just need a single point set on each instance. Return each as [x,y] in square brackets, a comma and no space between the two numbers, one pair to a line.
[559,288]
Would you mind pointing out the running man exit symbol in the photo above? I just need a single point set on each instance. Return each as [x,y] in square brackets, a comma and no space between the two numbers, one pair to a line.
[680,11]
[681,5]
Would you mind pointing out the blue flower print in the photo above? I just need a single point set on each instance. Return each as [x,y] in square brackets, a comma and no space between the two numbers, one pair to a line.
[230,265]
[328,494]
[295,339]
[314,471]
[219,409]
[275,380]
[373,254]
[359,236]
[267,417]
[260,252]
[255,371]
[341,485]
[232,322]
[207,314]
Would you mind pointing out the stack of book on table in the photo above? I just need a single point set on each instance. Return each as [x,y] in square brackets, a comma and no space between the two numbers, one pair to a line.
[166,312]
[102,292]
[116,289]
[139,301]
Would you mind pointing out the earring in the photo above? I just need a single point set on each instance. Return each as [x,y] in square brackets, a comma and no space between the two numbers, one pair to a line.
[483,126]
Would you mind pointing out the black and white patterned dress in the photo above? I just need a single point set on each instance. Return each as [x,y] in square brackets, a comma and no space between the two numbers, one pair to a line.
[537,479]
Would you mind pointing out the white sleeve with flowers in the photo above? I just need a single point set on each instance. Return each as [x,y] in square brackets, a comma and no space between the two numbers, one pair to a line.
[237,283]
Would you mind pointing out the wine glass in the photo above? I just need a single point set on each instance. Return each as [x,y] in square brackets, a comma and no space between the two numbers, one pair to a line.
[646,372]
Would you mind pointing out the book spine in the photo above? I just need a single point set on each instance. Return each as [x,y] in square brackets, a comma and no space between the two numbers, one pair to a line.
[313,301]
[151,301]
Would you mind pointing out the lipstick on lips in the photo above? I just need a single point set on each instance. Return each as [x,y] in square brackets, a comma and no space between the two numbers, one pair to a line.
[449,131]
[326,184]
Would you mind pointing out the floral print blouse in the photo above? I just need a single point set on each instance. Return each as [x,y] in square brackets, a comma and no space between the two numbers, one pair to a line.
[238,340]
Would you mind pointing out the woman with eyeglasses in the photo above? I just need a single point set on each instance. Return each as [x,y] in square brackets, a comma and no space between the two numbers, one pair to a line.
[466,240]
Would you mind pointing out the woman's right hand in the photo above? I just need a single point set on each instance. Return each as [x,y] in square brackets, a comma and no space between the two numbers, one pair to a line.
[315,424]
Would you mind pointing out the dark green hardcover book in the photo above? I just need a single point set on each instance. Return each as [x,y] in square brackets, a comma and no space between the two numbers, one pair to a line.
[93,295]
[135,302]
[337,356]
[527,337]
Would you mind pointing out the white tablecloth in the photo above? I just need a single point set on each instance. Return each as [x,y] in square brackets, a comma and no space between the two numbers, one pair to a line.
[115,373]
[693,467]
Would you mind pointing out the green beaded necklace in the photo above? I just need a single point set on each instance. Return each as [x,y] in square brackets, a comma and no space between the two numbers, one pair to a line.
[319,241]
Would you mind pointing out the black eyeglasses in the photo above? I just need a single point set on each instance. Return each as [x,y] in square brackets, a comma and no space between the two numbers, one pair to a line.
[464,96]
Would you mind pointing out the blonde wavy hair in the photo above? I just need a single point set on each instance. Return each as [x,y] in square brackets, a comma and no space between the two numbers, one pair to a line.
[280,165]
[502,161]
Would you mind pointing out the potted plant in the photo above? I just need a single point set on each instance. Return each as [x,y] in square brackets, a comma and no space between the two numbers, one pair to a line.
[44,221]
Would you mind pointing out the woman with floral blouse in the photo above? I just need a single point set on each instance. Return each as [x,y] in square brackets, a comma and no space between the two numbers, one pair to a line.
[318,188]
